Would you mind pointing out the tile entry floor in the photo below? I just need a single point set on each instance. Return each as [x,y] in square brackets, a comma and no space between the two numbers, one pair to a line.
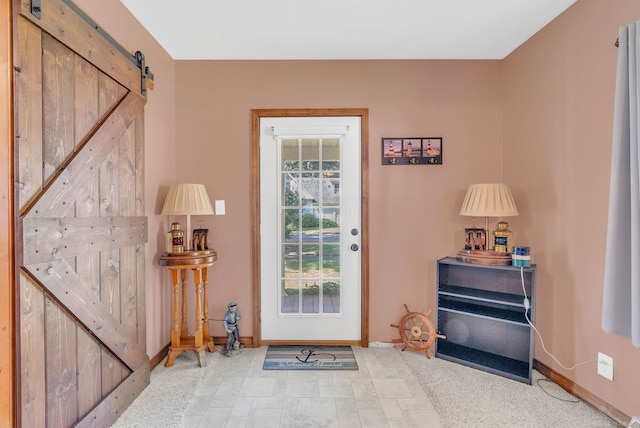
[239,393]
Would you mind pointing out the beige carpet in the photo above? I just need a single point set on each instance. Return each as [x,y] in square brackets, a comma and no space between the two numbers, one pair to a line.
[466,397]
[169,393]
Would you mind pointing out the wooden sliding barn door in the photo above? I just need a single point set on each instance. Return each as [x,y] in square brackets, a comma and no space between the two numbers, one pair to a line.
[81,230]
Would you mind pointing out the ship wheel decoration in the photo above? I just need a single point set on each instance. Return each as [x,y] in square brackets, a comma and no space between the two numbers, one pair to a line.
[417,332]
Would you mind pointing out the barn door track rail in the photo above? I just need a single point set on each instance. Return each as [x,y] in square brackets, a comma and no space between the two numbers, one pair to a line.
[146,77]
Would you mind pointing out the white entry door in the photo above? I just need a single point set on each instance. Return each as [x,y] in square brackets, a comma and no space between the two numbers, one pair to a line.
[310,207]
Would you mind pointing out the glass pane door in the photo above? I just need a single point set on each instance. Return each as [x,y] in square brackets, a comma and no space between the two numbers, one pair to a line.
[310,200]
[310,234]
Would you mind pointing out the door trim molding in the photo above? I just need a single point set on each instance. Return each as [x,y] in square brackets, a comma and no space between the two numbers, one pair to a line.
[256,115]
[8,387]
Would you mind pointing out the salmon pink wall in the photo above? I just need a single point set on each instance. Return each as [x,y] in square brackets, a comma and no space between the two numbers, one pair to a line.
[558,94]
[160,146]
[540,120]
[413,209]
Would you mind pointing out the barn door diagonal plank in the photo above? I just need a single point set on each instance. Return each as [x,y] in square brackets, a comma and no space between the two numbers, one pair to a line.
[81,166]
[62,282]
[109,409]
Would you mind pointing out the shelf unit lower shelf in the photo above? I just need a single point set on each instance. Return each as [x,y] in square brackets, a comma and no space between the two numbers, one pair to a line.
[486,361]
[482,313]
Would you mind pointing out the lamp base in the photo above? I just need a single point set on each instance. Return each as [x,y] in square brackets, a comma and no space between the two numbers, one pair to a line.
[484,257]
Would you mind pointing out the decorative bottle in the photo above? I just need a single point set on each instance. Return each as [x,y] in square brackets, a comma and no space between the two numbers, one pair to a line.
[177,238]
[502,238]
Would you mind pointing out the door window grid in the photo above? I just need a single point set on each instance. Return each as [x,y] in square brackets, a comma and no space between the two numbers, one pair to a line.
[309,195]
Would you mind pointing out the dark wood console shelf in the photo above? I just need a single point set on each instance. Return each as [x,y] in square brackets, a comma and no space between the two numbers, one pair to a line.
[481,311]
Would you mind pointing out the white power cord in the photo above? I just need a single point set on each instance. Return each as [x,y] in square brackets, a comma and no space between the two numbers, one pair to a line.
[527,306]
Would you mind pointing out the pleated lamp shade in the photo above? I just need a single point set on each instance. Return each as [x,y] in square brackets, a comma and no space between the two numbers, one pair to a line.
[489,200]
[187,199]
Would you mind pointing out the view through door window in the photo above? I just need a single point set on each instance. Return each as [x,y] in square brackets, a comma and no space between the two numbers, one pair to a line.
[310,226]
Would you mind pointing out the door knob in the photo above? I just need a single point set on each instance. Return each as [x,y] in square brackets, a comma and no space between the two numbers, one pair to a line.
[354,247]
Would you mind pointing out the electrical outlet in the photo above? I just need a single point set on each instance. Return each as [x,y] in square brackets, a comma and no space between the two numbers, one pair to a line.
[634,422]
[605,366]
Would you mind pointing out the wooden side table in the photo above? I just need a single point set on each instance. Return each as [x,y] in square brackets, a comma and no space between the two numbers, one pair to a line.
[179,264]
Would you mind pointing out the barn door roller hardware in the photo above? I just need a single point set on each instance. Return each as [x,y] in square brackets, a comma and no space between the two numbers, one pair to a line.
[144,72]
[137,58]
[36,8]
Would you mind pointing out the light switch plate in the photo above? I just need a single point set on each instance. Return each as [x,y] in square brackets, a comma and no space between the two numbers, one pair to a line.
[219,209]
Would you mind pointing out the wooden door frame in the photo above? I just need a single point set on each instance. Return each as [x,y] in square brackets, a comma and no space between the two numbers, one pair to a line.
[256,115]
[7,338]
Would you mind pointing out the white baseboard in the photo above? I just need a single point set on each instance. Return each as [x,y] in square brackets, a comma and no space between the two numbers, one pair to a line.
[380,345]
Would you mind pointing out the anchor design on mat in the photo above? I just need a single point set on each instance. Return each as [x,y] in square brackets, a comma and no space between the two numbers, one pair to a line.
[311,352]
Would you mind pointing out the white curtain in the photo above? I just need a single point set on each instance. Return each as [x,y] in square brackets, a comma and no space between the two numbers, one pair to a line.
[621,305]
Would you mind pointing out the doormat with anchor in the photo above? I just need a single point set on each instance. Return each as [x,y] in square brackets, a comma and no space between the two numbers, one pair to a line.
[307,357]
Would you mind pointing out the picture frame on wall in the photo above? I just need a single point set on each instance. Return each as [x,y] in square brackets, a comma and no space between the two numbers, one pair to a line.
[391,150]
[412,151]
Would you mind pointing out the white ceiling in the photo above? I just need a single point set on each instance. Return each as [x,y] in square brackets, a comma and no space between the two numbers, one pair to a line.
[343,29]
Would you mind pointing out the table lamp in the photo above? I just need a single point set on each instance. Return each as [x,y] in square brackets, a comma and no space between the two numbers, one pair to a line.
[488,200]
[187,199]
